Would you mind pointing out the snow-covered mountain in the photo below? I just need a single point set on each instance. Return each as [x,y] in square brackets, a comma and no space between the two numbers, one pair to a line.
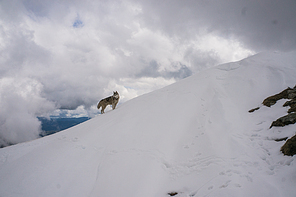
[192,138]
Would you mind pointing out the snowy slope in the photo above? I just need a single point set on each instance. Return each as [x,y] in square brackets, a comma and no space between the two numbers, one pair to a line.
[194,138]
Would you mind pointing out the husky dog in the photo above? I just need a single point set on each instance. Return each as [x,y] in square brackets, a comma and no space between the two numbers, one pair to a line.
[111,100]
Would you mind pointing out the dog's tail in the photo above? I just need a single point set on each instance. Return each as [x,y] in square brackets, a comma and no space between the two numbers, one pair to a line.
[99,105]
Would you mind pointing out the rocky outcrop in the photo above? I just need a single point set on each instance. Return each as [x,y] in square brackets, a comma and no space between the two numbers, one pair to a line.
[172,193]
[269,101]
[252,110]
[288,93]
[291,104]
[285,120]
[289,148]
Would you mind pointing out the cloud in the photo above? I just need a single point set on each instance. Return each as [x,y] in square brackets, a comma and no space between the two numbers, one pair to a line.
[78,52]
[177,71]
[20,103]
[258,25]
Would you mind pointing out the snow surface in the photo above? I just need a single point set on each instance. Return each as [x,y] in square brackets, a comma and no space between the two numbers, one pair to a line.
[195,137]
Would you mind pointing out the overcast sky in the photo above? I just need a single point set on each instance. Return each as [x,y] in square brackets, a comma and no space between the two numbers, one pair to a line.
[57,54]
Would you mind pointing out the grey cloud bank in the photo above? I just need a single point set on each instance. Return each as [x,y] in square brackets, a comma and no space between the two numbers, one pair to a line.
[70,54]
[259,25]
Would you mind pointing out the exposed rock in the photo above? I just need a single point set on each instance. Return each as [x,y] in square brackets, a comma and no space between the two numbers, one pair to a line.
[289,148]
[285,120]
[291,104]
[173,193]
[269,101]
[288,93]
[292,109]
[292,93]
[281,139]
[252,110]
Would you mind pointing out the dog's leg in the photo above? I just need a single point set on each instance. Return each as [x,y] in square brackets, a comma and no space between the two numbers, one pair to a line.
[103,108]
[114,105]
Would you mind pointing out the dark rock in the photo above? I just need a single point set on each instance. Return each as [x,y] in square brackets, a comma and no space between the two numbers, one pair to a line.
[289,148]
[291,104]
[292,109]
[173,193]
[252,110]
[269,101]
[285,120]
[292,93]
[281,139]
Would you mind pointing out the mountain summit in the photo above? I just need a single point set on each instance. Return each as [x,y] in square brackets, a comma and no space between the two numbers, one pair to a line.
[192,138]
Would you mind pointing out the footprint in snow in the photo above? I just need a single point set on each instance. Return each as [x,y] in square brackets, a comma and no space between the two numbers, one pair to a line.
[211,187]
[75,139]
[225,184]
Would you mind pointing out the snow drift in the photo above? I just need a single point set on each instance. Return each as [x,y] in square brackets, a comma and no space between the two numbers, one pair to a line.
[192,138]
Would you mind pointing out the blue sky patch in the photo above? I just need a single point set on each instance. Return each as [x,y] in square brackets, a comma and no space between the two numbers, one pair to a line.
[78,23]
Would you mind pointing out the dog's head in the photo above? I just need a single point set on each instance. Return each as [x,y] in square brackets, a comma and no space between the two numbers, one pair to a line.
[116,95]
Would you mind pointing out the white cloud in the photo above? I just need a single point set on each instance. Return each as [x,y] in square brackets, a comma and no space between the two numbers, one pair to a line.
[130,88]
[20,103]
[226,49]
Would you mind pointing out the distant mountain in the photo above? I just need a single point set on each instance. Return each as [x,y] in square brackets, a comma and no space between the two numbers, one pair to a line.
[192,138]
[53,125]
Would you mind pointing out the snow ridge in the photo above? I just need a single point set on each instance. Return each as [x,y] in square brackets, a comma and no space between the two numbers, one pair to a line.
[192,138]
